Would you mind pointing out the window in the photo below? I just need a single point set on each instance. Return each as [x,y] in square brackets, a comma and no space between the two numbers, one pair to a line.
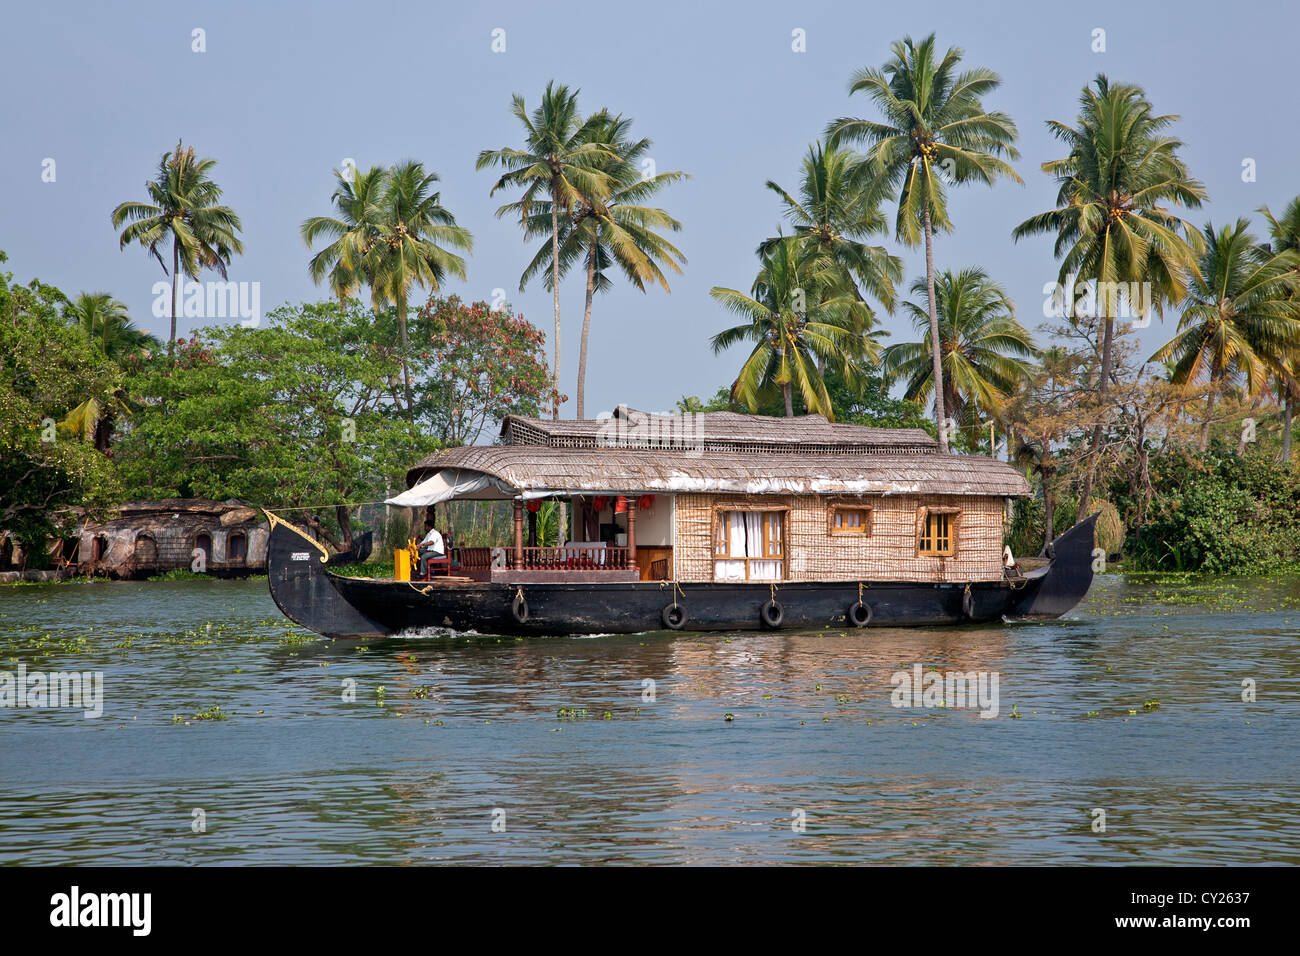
[204,543]
[938,534]
[850,520]
[750,546]
[146,551]
[99,548]
[237,547]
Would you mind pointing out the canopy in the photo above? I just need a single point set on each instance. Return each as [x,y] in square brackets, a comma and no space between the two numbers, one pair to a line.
[450,483]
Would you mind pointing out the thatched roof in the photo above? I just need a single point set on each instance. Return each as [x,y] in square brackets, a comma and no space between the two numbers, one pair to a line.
[541,469]
[715,431]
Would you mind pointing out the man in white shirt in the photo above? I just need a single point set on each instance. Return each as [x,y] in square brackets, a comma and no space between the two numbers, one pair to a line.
[432,547]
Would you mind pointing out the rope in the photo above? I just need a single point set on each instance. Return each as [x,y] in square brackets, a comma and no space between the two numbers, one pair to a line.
[677,589]
[773,592]
[338,504]
[861,586]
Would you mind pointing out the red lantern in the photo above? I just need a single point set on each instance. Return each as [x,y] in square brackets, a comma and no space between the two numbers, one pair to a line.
[620,505]
[645,501]
[598,503]
[534,505]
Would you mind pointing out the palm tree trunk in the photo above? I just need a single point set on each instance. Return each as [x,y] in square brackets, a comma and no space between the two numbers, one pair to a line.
[176,266]
[934,334]
[1103,383]
[401,325]
[788,392]
[1204,442]
[562,517]
[1049,513]
[586,331]
[1241,439]
[555,289]
[1287,412]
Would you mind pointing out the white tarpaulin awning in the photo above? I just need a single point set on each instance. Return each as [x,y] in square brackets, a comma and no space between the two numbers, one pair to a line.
[451,483]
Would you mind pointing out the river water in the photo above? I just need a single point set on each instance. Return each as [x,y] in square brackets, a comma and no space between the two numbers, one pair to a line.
[485,749]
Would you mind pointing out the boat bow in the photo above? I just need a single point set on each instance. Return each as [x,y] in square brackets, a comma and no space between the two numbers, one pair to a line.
[305,591]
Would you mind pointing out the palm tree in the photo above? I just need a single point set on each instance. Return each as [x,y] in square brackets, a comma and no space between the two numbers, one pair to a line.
[619,233]
[391,233]
[1111,221]
[983,348]
[106,324]
[560,159]
[793,345]
[414,231]
[1285,235]
[1240,320]
[837,209]
[348,261]
[184,207]
[934,119]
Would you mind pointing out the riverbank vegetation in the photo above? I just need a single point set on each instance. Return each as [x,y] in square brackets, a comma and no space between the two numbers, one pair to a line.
[1186,450]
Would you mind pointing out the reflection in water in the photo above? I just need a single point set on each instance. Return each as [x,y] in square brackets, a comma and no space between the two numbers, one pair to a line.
[1133,704]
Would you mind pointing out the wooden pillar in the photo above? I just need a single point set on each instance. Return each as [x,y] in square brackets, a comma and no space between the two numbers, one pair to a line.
[631,531]
[519,534]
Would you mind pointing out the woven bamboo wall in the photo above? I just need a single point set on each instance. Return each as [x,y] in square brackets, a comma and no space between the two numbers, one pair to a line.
[887,553]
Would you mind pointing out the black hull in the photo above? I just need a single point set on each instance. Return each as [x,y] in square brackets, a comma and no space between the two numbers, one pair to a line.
[354,607]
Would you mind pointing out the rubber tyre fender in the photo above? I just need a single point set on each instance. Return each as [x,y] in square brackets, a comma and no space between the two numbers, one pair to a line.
[519,609]
[673,616]
[859,614]
[772,614]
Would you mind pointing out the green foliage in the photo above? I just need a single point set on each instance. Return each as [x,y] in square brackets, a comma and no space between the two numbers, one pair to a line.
[1109,531]
[298,413]
[1220,513]
[47,368]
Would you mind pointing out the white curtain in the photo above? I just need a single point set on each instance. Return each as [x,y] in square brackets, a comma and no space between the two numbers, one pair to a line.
[745,540]
[762,570]
[732,570]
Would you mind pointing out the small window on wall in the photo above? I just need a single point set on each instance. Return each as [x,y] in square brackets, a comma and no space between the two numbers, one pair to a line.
[938,534]
[237,547]
[849,520]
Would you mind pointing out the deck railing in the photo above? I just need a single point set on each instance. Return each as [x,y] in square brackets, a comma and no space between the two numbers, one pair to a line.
[574,558]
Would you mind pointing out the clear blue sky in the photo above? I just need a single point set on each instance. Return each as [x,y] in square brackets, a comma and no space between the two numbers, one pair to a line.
[284,92]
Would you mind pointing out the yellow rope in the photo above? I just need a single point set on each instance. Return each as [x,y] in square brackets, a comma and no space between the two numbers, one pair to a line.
[773,586]
[677,589]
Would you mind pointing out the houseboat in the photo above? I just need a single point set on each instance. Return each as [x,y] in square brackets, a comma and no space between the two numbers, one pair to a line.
[141,539]
[703,522]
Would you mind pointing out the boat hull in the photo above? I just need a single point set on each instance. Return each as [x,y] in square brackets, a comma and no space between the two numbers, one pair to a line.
[342,607]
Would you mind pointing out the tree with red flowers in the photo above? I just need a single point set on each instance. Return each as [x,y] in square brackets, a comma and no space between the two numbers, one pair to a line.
[477,364]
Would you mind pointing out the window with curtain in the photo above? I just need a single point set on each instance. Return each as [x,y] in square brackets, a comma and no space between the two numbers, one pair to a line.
[750,546]
[850,520]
